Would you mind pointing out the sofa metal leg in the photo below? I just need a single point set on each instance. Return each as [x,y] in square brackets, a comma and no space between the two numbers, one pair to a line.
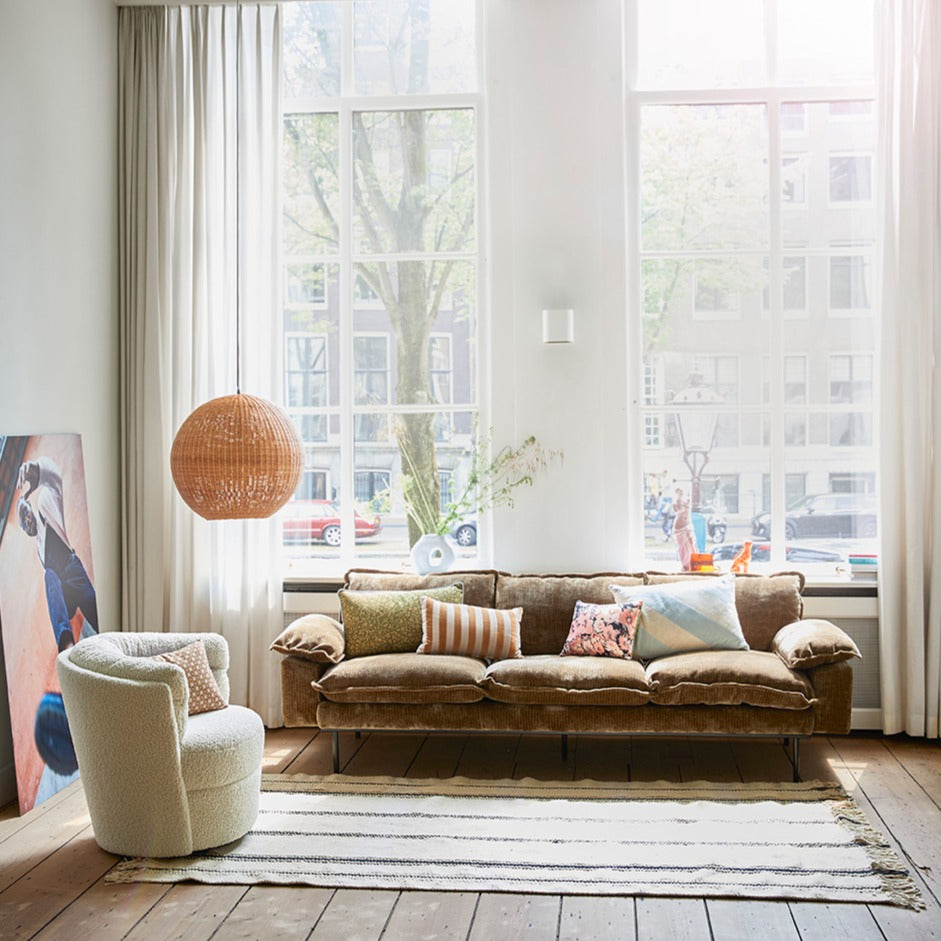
[336,752]
[795,757]
[565,747]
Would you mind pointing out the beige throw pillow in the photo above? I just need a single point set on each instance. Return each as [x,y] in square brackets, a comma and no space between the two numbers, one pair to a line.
[204,692]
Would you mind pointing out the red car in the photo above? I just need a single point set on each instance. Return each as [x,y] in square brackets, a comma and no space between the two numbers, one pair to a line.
[312,520]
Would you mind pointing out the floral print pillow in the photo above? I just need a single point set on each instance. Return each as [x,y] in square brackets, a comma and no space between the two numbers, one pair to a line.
[602,630]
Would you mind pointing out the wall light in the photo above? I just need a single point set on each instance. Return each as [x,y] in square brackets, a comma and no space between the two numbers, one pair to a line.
[558,326]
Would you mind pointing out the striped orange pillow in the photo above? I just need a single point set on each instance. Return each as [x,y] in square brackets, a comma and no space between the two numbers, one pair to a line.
[490,633]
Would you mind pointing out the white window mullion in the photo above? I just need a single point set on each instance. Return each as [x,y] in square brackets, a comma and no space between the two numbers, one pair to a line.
[777,450]
[347,444]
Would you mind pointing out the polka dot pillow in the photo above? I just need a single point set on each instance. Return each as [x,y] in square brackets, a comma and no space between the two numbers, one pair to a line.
[204,692]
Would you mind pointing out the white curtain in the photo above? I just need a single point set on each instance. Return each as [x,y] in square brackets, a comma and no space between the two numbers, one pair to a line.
[185,133]
[910,436]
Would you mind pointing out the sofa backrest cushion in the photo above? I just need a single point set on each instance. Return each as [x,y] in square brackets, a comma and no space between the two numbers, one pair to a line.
[478,585]
[765,603]
[548,603]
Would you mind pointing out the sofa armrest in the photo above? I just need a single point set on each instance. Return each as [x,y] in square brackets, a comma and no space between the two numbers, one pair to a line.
[299,700]
[315,637]
[833,688]
[813,642]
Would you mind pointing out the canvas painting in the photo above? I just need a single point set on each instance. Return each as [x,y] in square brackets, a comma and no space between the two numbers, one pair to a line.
[47,599]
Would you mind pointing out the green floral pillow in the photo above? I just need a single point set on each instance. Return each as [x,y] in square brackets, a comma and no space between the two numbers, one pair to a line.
[388,621]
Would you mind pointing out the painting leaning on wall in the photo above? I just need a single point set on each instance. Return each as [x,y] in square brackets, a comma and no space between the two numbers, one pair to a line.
[47,599]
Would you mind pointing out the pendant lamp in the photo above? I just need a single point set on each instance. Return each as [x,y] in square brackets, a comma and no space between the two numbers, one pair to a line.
[237,456]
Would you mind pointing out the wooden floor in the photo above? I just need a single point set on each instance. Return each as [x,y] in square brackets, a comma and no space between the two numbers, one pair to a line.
[51,870]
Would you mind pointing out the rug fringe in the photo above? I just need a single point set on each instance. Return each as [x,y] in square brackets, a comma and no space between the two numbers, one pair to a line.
[737,791]
[897,882]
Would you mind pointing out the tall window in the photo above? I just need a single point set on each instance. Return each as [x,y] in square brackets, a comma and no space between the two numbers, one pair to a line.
[755,233]
[380,251]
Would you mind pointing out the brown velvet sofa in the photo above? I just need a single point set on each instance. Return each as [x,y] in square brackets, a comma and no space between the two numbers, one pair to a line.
[794,680]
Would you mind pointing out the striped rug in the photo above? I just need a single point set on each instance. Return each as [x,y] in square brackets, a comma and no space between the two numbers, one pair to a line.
[805,841]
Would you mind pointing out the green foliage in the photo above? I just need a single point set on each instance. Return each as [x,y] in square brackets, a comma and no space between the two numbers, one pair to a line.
[489,484]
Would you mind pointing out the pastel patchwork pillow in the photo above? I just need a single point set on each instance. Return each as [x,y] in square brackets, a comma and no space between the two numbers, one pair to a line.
[204,695]
[489,633]
[602,630]
[387,621]
[678,617]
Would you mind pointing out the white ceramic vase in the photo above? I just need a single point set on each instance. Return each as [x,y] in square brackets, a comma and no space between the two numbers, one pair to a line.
[431,554]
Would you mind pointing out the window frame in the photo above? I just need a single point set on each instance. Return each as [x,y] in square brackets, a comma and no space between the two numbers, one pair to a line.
[773,96]
[347,257]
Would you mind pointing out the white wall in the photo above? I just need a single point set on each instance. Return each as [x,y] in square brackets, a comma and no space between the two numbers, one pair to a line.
[58,256]
[556,214]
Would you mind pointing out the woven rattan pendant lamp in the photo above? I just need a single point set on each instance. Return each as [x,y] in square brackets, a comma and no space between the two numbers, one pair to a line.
[237,456]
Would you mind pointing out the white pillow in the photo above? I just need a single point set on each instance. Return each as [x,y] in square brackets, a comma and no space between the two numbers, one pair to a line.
[694,614]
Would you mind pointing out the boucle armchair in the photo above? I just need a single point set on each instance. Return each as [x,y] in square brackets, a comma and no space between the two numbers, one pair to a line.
[158,781]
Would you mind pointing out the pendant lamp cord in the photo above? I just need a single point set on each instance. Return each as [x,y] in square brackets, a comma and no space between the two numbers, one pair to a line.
[238,202]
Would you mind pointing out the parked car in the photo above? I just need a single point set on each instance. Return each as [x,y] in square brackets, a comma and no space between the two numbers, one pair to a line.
[319,520]
[829,515]
[761,552]
[465,533]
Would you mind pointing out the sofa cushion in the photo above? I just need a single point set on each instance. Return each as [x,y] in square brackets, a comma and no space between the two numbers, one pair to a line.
[315,637]
[387,621]
[549,679]
[403,678]
[478,585]
[602,630]
[765,603]
[549,600]
[691,615]
[492,633]
[813,643]
[728,678]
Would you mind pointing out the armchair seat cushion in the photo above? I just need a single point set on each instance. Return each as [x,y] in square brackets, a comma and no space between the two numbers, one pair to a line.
[550,679]
[221,747]
[728,678]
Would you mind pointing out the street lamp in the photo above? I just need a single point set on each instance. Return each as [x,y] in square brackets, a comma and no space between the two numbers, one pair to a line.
[697,420]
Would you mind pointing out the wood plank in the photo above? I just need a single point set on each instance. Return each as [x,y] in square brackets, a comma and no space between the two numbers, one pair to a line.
[709,759]
[317,755]
[104,912]
[274,911]
[761,760]
[384,753]
[438,915]
[585,918]
[188,912]
[438,757]
[540,756]
[678,919]
[355,915]
[42,836]
[657,759]
[912,816]
[922,760]
[515,916]
[734,920]
[282,746]
[489,756]
[894,922]
[11,821]
[37,897]
[602,757]
[821,921]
